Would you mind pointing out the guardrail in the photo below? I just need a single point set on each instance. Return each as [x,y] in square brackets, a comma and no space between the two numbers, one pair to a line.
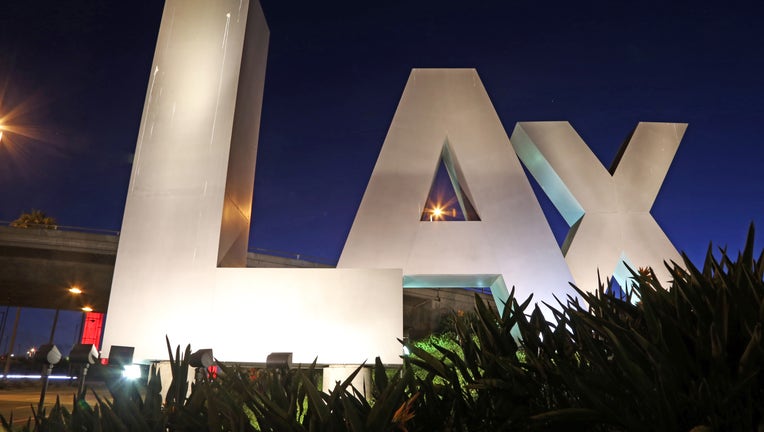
[271,252]
[62,228]
[292,255]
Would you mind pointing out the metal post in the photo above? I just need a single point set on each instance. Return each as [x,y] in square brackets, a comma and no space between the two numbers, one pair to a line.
[53,329]
[46,370]
[3,324]
[83,374]
[80,329]
[13,342]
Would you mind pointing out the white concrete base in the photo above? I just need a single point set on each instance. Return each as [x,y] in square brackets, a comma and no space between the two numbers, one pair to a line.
[334,316]
[334,373]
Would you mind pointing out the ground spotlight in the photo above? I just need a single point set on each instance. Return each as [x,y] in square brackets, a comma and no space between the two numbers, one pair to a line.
[121,361]
[83,355]
[279,360]
[121,355]
[86,354]
[201,360]
[406,343]
[48,355]
[131,372]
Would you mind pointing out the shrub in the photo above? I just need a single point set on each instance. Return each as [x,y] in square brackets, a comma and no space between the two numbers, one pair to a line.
[684,358]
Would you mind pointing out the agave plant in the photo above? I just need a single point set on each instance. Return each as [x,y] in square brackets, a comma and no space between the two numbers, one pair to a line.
[289,400]
[683,357]
[687,357]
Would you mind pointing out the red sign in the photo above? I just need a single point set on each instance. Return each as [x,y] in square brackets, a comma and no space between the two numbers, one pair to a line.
[92,329]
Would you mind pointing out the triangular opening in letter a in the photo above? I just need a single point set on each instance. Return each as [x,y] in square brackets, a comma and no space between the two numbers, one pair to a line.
[448,199]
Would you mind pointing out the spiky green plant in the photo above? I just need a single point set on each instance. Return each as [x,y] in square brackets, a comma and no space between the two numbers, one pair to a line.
[686,357]
[289,400]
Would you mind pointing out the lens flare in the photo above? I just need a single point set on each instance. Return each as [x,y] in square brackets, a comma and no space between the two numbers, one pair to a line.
[23,144]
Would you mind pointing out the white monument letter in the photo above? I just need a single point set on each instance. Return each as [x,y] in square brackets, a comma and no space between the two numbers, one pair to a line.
[184,233]
[447,114]
[608,212]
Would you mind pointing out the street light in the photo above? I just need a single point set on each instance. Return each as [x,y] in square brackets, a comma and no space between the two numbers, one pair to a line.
[440,212]
[75,291]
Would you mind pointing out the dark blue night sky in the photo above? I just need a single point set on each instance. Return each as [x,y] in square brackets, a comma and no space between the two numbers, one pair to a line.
[74,74]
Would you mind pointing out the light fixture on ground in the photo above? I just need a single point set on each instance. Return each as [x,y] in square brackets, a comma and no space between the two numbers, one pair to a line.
[279,360]
[49,356]
[131,372]
[83,355]
[201,360]
[405,342]
[121,355]
[121,360]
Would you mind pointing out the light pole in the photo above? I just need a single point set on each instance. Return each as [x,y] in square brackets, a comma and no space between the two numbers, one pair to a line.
[75,291]
[13,341]
[53,328]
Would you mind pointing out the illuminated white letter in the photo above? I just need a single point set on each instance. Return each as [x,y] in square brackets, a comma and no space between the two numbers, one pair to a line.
[609,212]
[446,113]
[184,233]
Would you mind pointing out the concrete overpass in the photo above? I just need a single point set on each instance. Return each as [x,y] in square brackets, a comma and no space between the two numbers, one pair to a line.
[38,266]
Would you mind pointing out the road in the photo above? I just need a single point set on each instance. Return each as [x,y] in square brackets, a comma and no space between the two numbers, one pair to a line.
[19,398]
